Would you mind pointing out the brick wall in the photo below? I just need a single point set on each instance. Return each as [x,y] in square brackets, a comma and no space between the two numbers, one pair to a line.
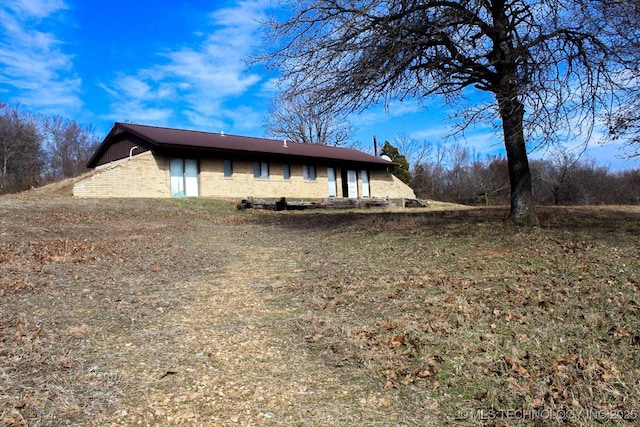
[243,184]
[144,175]
[147,175]
[385,184]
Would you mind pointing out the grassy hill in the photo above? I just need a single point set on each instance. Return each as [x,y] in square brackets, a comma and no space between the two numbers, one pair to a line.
[188,312]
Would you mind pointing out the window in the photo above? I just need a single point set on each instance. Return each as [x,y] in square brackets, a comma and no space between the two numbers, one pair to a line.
[309,172]
[261,170]
[228,168]
[286,171]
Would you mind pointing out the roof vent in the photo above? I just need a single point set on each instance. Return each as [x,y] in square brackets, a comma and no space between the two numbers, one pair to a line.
[385,157]
[284,143]
[221,133]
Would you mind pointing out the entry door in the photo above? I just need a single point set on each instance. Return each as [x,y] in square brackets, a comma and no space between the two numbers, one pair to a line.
[191,178]
[184,177]
[176,168]
[331,177]
[352,183]
[365,183]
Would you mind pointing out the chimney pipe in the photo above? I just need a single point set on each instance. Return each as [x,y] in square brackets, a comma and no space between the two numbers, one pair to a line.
[375,146]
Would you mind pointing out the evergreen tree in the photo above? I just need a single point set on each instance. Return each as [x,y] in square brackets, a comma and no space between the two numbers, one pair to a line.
[402,170]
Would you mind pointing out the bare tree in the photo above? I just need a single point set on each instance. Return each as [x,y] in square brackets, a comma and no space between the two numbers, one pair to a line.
[69,146]
[302,119]
[36,149]
[428,173]
[548,64]
[629,181]
[491,179]
[460,159]
[624,17]
[415,152]
[558,175]
[21,155]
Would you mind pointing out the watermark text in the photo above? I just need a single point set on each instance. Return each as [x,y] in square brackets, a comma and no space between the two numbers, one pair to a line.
[547,414]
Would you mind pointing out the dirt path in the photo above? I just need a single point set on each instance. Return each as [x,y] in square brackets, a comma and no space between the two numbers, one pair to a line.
[113,315]
[232,354]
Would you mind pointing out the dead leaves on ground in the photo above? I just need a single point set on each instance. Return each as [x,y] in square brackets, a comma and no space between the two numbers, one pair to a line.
[30,266]
[452,308]
[542,319]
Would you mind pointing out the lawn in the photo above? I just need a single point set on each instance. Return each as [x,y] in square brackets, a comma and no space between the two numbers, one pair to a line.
[188,312]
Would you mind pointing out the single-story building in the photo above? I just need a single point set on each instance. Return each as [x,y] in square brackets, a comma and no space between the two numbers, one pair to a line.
[148,161]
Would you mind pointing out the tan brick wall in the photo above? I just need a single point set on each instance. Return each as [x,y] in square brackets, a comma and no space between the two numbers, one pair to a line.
[385,184]
[147,175]
[144,175]
[242,183]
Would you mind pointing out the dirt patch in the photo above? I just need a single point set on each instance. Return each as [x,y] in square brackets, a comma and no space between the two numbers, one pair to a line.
[187,312]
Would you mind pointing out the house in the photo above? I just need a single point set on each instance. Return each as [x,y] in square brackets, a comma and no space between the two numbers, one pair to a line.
[148,161]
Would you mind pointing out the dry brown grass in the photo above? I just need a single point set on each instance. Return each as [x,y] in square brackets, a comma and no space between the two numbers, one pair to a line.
[186,312]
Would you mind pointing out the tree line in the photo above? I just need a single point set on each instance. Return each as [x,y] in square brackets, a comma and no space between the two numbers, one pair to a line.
[36,150]
[455,175]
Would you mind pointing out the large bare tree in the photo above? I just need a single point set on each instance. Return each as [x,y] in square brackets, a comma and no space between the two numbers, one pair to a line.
[549,65]
[303,119]
[624,16]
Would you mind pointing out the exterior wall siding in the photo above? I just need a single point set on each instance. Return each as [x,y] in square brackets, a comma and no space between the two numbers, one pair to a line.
[242,183]
[385,184]
[144,175]
[120,150]
[148,175]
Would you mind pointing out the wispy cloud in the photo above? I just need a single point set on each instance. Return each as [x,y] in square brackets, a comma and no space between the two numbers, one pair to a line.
[193,84]
[37,9]
[132,93]
[32,60]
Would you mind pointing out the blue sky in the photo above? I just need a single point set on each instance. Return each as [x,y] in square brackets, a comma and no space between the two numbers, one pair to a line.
[178,64]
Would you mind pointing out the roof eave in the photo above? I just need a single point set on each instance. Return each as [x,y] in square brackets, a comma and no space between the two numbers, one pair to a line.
[271,154]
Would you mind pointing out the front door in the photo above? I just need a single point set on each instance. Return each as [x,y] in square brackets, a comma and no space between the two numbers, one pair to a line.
[191,178]
[331,178]
[365,183]
[352,184]
[184,177]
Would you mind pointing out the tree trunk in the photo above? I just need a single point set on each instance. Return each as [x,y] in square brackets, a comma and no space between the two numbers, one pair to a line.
[5,161]
[522,204]
[512,115]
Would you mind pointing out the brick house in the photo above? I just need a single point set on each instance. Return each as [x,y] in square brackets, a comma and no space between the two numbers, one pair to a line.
[148,161]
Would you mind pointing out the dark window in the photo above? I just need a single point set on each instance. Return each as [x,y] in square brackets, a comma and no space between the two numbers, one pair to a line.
[286,171]
[261,170]
[309,172]
[228,168]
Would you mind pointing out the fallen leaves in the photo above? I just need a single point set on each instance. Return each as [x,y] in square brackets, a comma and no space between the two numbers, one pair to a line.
[529,314]
[398,313]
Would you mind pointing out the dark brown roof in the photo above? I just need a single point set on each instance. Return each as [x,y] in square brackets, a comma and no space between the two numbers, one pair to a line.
[175,140]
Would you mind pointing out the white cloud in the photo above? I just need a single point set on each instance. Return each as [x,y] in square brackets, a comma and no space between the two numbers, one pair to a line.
[133,95]
[199,83]
[33,62]
[246,119]
[36,9]
[269,87]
